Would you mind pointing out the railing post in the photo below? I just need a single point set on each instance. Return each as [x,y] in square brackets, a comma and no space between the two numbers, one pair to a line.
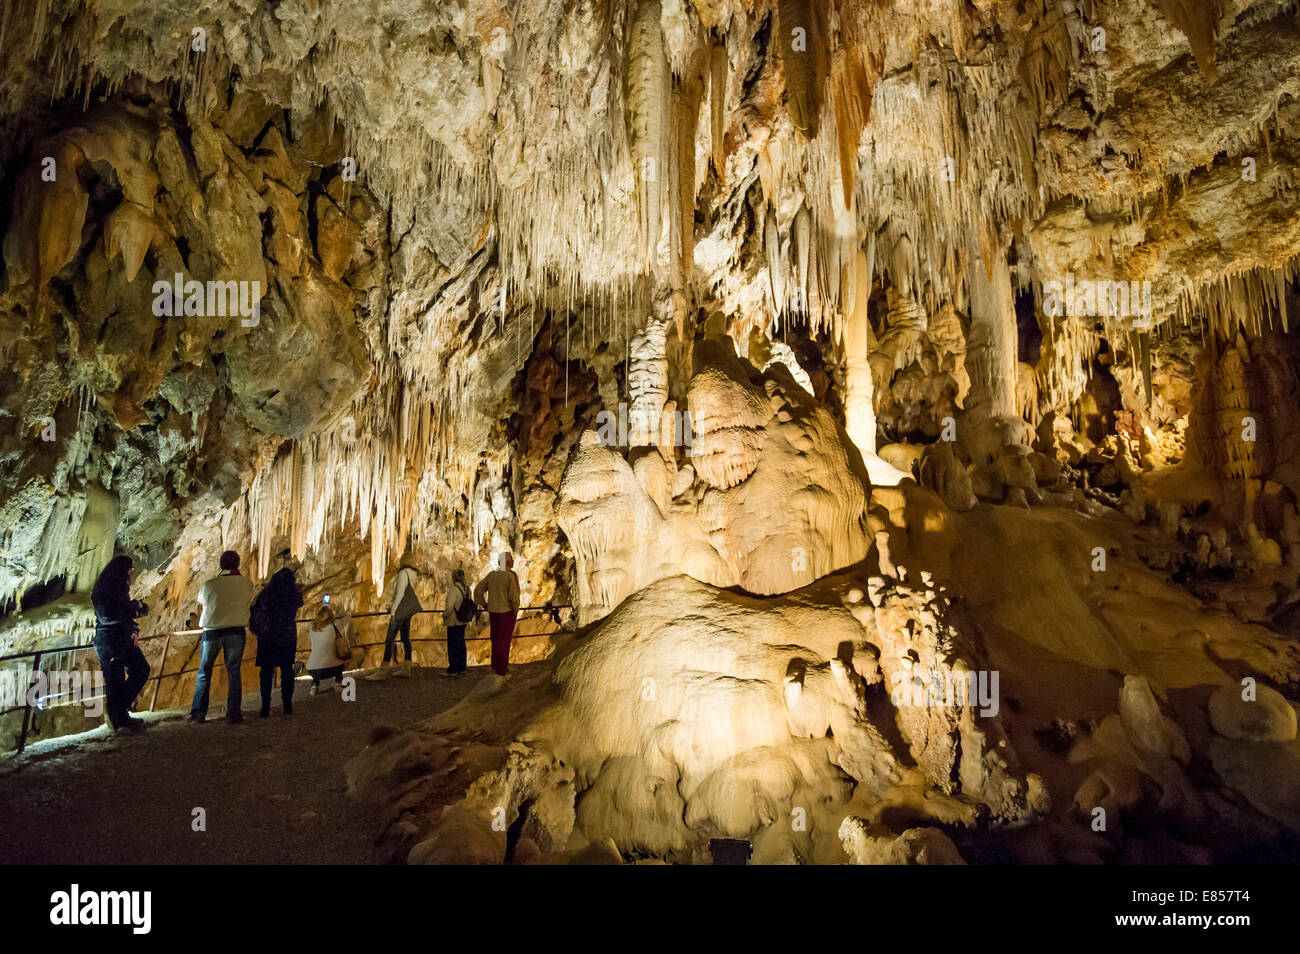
[162,668]
[27,706]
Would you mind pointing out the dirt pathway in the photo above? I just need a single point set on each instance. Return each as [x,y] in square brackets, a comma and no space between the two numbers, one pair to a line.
[272,790]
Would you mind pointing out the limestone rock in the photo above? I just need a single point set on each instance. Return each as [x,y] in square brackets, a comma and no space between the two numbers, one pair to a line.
[916,846]
[1269,717]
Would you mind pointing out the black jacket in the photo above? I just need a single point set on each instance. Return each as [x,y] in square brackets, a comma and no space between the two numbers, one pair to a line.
[283,597]
[115,615]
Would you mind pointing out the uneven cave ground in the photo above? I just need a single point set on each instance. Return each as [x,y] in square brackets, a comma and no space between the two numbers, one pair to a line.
[892,410]
[271,790]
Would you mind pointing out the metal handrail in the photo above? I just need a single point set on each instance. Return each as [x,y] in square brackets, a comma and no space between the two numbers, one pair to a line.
[551,608]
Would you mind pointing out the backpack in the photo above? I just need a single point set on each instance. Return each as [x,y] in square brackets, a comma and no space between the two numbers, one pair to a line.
[259,617]
[467,609]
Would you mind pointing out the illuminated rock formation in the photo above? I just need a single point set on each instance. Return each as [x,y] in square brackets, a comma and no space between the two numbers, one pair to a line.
[766,495]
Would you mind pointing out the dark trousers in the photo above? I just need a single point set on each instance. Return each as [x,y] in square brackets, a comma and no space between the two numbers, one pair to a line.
[125,673]
[333,672]
[267,674]
[390,648]
[230,643]
[503,630]
[456,648]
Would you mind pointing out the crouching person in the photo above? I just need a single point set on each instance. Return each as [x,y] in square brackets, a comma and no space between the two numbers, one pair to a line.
[329,651]
[125,668]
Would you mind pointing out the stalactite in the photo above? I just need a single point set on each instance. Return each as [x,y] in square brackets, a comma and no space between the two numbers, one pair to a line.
[686,105]
[1198,20]
[775,267]
[802,41]
[647,95]
[848,131]
[718,106]
[802,237]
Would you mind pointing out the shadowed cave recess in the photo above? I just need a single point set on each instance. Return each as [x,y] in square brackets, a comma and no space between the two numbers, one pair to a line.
[902,395]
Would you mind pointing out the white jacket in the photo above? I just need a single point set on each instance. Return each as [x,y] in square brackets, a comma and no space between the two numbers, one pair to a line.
[322,649]
[225,600]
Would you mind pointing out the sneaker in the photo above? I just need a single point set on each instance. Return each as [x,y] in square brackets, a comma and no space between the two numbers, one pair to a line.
[235,718]
[313,690]
[132,724]
[198,719]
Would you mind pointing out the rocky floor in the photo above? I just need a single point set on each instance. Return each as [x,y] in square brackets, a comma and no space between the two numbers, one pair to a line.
[272,790]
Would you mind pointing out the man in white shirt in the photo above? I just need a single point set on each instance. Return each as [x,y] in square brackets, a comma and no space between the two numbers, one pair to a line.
[224,601]
[499,593]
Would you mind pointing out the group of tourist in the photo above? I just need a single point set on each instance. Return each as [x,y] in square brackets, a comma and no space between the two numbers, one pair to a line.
[228,608]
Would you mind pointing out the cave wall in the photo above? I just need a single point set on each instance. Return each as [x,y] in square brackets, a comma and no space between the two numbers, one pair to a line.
[474,230]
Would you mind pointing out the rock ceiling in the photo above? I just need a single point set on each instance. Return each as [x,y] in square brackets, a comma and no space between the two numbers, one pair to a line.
[427,190]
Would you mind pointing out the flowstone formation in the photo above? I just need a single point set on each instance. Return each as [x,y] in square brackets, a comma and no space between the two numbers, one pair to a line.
[755,487]
[692,712]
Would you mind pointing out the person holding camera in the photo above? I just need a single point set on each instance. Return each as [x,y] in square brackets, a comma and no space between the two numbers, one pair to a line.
[116,641]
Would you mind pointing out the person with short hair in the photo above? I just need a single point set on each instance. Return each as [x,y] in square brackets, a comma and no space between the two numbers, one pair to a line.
[457,596]
[125,668]
[225,600]
[499,593]
[324,662]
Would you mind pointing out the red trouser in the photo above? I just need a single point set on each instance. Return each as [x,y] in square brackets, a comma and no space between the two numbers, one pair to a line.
[503,629]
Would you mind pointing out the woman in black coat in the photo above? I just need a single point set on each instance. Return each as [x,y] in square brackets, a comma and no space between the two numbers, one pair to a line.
[274,611]
[125,668]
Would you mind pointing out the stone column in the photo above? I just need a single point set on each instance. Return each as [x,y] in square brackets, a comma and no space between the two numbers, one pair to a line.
[859,398]
[991,354]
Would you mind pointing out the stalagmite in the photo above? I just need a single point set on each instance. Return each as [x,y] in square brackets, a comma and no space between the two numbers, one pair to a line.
[647,383]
